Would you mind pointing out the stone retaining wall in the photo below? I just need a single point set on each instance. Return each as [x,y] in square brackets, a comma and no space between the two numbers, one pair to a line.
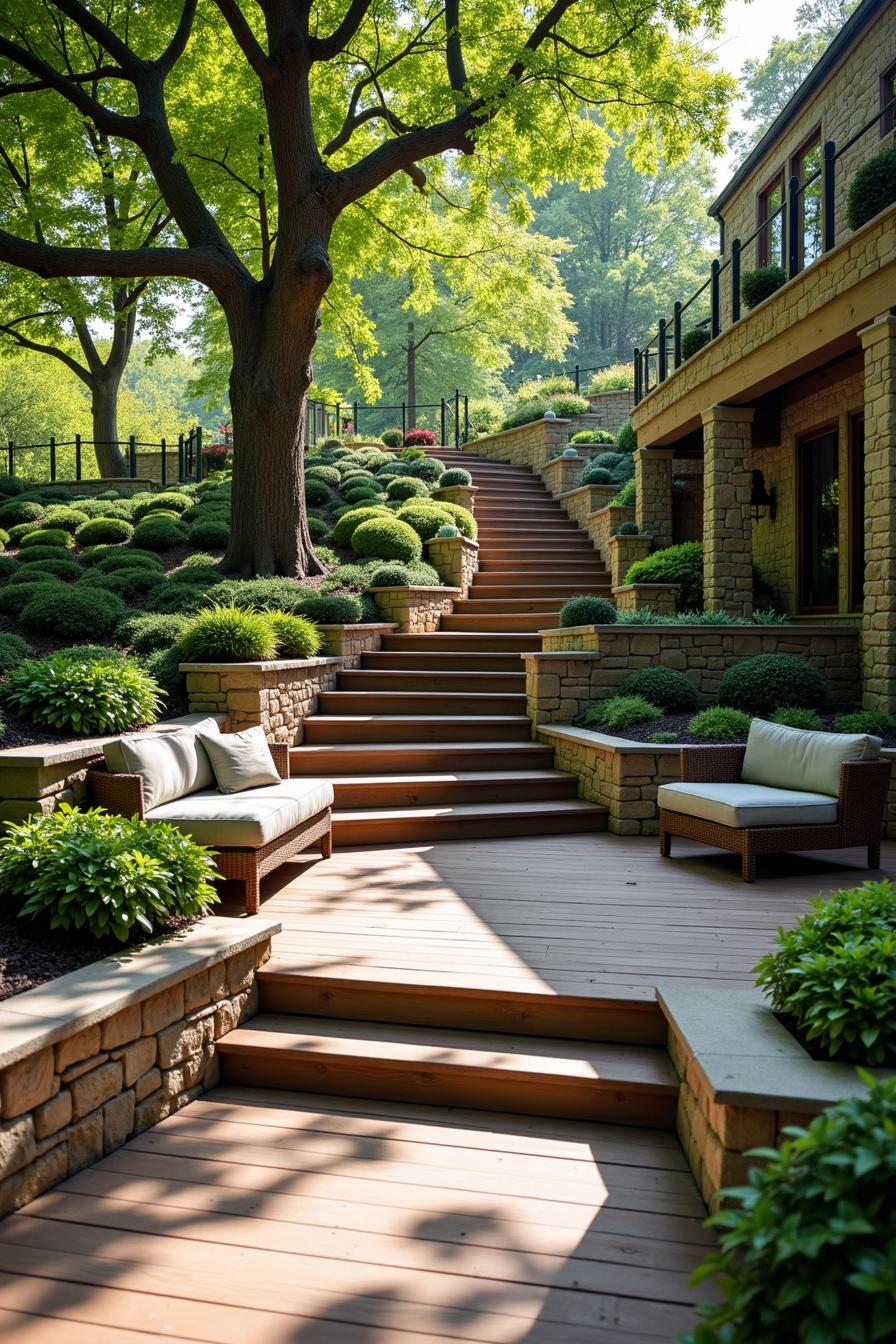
[279,694]
[96,1056]
[580,504]
[417,611]
[624,552]
[562,474]
[464,495]
[534,444]
[601,527]
[612,409]
[348,642]
[622,776]
[456,559]
[657,597]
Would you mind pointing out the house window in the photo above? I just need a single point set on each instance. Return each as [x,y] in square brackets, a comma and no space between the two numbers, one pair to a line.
[818,467]
[771,238]
[857,514]
[887,94]
[806,164]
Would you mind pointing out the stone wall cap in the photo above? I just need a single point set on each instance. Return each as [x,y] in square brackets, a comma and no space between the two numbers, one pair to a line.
[40,1017]
[748,1058]
[413,588]
[356,625]
[460,539]
[580,489]
[640,587]
[61,753]
[622,745]
[274,665]
[562,653]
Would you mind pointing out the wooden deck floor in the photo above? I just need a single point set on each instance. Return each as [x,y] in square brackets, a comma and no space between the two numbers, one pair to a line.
[568,914]
[284,1219]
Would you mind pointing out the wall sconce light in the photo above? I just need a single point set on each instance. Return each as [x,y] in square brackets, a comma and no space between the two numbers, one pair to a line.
[763,502]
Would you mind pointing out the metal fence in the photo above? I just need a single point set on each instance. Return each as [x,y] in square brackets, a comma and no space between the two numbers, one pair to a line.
[74,459]
[448,418]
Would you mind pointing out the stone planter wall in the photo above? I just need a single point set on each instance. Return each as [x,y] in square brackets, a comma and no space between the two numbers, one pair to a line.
[563,474]
[456,559]
[96,1056]
[125,485]
[465,495]
[624,552]
[348,642]
[534,444]
[587,499]
[279,694]
[601,526]
[417,611]
[612,409]
[622,776]
[657,597]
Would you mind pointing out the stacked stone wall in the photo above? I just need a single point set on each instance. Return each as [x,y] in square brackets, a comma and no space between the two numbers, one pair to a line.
[277,695]
[416,611]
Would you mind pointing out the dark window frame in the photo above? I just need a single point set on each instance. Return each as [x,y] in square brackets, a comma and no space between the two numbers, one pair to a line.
[797,159]
[808,436]
[857,511]
[887,85]
[763,241]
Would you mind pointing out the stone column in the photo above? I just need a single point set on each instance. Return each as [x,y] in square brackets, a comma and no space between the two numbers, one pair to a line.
[727,526]
[879,620]
[653,499]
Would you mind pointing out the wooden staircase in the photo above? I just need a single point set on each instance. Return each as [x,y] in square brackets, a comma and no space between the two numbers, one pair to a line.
[429,738]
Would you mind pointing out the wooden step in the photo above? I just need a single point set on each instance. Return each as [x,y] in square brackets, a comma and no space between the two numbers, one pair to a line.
[367,758]
[626,1084]
[443,661]
[530,621]
[465,821]
[512,578]
[290,983]
[464,641]
[374,792]
[441,680]
[471,703]
[479,604]
[322,728]
[542,591]
[492,565]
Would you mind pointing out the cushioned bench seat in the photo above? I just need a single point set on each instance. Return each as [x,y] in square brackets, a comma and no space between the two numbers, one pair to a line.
[749,804]
[246,820]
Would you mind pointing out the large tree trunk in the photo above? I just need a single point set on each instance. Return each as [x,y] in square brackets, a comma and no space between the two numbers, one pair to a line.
[110,460]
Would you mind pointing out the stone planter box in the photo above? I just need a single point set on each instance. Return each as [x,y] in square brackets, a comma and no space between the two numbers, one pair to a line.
[125,485]
[563,474]
[612,409]
[279,695]
[602,525]
[624,552]
[96,1056]
[744,1078]
[456,559]
[658,597]
[348,642]
[621,775]
[465,495]
[580,504]
[417,611]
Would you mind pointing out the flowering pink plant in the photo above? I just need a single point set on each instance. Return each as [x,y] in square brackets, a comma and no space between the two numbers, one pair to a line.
[423,437]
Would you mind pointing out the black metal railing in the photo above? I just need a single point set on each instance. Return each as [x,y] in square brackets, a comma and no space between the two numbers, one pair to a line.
[448,418]
[64,459]
[654,356]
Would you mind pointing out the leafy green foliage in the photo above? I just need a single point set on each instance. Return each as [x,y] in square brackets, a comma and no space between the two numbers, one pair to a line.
[663,686]
[15,596]
[391,576]
[587,610]
[762,684]
[160,534]
[72,613]
[227,635]
[455,476]
[104,531]
[627,530]
[125,583]
[594,475]
[873,721]
[614,378]
[564,407]
[834,974]
[872,188]
[626,438]
[621,712]
[317,491]
[694,340]
[626,497]
[318,530]
[392,438]
[792,717]
[593,436]
[173,598]
[62,568]
[761,283]
[720,724]
[102,693]
[462,518]
[297,637]
[681,564]
[424,517]
[47,536]
[14,511]
[332,608]
[265,594]
[13,650]
[146,632]
[388,539]
[111,876]
[60,515]
[663,739]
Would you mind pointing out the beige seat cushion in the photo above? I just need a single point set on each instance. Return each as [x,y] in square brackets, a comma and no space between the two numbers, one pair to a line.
[744,805]
[240,760]
[249,819]
[170,764]
[792,758]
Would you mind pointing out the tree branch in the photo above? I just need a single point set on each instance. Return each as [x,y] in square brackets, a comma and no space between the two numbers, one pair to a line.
[111,122]
[8,329]
[177,46]
[246,40]
[325,48]
[454,56]
[204,264]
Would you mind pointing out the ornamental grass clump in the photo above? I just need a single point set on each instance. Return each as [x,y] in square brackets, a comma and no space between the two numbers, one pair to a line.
[807,1255]
[85,691]
[720,725]
[833,976]
[621,712]
[228,635]
[587,610]
[113,877]
[297,637]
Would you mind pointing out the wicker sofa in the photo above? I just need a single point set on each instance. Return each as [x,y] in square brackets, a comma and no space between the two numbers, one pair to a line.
[785,790]
[252,832]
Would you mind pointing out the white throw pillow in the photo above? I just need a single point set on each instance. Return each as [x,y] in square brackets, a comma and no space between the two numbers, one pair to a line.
[171,765]
[241,760]
[793,758]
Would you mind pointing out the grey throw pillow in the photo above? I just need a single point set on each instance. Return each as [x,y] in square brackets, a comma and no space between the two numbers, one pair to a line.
[241,760]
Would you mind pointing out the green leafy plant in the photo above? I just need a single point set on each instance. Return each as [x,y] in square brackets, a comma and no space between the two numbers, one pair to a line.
[621,712]
[615,378]
[663,686]
[587,610]
[593,436]
[158,533]
[13,650]
[115,557]
[64,568]
[15,596]
[792,717]
[211,532]
[18,531]
[228,635]
[762,684]
[297,637]
[388,539]
[462,518]
[627,530]
[262,594]
[555,384]
[872,188]
[873,721]
[662,739]
[392,438]
[318,530]
[834,974]
[407,487]
[626,497]
[47,536]
[425,517]
[125,583]
[172,598]
[391,576]
[808,1255]
[146,632]
[593,475]
[455,476]
[104,531]
[111,876]
[428,469]
[694,340]
[86,692]
[15,511]
[720,725]
[71,613]
[321,472]
[317,491]
[626,438]
[681,564]
[332,608]
[760,284]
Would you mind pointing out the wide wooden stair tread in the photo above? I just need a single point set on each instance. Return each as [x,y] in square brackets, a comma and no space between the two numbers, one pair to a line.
[428,738]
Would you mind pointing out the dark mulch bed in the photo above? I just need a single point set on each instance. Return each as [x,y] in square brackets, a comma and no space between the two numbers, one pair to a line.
[30,955]
[678,724]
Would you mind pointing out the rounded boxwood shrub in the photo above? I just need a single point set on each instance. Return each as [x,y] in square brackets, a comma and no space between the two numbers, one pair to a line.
[663,686]
[807,1254]
[425,518]
[626,438]
[392,438]
[47,536]
[104,531]
[332,608]
[762,684]
[462,518]
[85,691]
[681,564]
[61,515]
[213,533]
[345,526]
[319,471]
[317,529]
[64,568]
[146,632]
[19,530]
[113,877]
[694,340]
[587,610]
[609,461]
[592,436]
[126,583]
[297,636]
[760,284]
[720,725]
[872,188]
[15,595]
[175,598]
[391,576]
[262,594]
[627,530]
[428,469]
[593,475]
[126,558]
[10,485]
[387,539]
[361,495]
[455,476]
[13,650]
[228,635]
[72,613]
[873,721]
[407,487]
[317,491]
[621,712]
[204,576]
[792,717]
[20,511]
[167,501]
[161,534]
